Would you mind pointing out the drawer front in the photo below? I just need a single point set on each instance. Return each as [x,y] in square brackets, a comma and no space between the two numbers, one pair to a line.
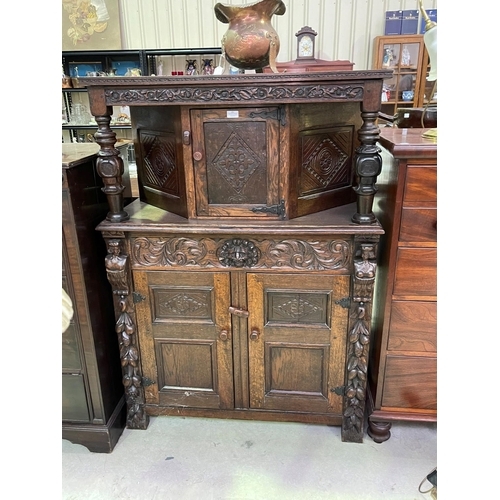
[418,224]
[421,184]
[413,326]
[410,382]
[416,272]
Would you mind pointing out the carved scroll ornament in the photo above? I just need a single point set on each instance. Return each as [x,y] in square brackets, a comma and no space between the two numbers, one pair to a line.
[263,253]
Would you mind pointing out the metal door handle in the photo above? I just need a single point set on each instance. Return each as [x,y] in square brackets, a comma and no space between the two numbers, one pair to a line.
[223,335]
[254,335]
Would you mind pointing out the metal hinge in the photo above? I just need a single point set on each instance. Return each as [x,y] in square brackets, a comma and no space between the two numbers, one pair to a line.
[273,209]
[275,114]
[147,381]
[137,297]
[338,390]
[344,302]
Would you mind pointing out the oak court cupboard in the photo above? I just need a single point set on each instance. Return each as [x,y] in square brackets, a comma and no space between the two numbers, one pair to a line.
[243,276]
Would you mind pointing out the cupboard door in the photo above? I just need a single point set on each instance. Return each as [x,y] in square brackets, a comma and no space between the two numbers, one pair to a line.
[237,169]
[184,331]
[296,341]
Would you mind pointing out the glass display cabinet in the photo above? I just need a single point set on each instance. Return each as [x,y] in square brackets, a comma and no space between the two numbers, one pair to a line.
[407,57]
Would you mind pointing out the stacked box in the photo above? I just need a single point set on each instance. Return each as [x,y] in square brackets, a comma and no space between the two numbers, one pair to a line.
[393,20]
[433,16]
[409,23]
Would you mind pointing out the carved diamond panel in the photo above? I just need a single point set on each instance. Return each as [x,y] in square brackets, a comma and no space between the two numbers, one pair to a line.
[326,161]
[236,162]
[159,161]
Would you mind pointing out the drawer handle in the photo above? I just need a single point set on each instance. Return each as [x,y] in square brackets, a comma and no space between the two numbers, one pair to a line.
[223,335]
[254,335]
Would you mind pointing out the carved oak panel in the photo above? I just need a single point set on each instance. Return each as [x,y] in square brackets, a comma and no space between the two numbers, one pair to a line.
[158,252]
[304,308]
[326,160]
[159,161]
[182,303]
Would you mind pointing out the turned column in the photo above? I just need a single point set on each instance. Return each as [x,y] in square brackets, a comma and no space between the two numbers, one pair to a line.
[368,164]
[109,164]
[368,161]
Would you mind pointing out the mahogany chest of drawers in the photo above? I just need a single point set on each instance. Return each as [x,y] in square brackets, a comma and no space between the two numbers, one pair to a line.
[403,364]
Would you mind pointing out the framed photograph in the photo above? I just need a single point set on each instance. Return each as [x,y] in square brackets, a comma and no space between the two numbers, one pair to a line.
[91,25]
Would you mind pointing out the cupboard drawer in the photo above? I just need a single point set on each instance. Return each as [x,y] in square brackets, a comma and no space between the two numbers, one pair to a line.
[410,382]
[416,272]
[421,184]
[418,224]
[413,326]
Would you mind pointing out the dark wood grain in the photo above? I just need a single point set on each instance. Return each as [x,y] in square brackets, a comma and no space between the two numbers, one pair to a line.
[403,382]
[93,405]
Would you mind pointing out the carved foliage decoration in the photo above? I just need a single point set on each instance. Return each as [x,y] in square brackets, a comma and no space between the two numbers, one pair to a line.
[273,92]
[117,269]
[265,254]
[358,344]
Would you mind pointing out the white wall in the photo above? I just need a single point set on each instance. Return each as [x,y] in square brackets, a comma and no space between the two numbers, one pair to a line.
[346,28]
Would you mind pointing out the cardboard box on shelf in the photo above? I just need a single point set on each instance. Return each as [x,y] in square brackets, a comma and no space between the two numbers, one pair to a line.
[433,16]
[409,23]
[393,19]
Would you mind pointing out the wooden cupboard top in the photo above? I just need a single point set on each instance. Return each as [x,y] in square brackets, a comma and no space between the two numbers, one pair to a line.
[75,153]
[145,218]
[408,143]
[221,90]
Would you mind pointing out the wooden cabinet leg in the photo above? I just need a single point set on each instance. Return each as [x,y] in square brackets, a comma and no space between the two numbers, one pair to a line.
[379,431]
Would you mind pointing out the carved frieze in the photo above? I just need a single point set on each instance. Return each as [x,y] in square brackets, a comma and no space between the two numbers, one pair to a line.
[251,93]
[314,255]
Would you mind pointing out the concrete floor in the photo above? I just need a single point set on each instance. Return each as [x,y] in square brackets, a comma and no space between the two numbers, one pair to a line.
[187,458]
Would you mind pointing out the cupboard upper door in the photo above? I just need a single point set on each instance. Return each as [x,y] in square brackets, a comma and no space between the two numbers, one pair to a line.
[184,330]
[236,161]
[296,341]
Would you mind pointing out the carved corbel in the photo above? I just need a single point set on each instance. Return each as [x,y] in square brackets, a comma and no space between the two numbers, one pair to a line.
[358,343]
[118,273]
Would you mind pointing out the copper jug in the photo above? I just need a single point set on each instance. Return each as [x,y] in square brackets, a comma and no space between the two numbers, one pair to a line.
[250,41]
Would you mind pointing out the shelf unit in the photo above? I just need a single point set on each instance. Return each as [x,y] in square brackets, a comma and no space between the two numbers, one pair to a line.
[77,64]
[407,57]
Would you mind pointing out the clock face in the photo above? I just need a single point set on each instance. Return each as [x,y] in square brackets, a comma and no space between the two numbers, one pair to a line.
[306,46]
